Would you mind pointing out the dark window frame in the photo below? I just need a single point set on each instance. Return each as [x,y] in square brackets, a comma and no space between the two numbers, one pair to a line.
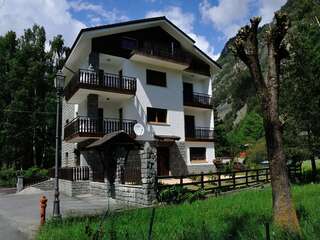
[154,115]
[156,78]
[195,156]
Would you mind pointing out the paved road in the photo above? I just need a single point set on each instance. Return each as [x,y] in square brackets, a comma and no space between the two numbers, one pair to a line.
[19,213]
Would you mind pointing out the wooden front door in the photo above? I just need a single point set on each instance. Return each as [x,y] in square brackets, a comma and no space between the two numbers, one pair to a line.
[189,126]
[163,161]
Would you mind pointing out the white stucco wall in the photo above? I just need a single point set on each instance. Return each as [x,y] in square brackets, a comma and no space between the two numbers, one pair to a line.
[210,153]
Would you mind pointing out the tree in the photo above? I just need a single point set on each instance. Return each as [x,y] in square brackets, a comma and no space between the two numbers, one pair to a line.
[246,48]
[300,90]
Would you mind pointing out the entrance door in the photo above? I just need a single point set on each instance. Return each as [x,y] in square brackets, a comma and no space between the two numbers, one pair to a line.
[187,92]
[163,161]
[189,126]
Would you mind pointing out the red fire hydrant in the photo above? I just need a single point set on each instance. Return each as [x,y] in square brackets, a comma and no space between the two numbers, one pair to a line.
[43,205]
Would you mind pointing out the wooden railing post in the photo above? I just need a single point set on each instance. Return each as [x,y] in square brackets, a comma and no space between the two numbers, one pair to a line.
[181,180]
[219,181]
[234,179]
[257,175]
[202,183]
[247,178]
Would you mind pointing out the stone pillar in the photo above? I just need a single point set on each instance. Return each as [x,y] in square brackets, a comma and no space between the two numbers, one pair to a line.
[148,172]
[92,105]
[20,183]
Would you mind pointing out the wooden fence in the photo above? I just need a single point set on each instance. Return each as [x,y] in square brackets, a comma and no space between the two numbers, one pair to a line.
[219,181]
[71,173]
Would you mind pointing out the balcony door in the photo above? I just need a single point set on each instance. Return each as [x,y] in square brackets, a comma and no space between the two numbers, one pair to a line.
[189,126]
[187,91]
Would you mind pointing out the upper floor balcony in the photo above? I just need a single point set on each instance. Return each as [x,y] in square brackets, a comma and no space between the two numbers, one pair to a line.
[163,56]
[199,134]
[86,81]
[200,100]
[83,128]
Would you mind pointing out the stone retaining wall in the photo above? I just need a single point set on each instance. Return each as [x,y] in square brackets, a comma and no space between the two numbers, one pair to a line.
[45,185]
[71,188]
[98,189]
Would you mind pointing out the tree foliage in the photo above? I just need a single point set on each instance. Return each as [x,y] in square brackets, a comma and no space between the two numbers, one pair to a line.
[27,98]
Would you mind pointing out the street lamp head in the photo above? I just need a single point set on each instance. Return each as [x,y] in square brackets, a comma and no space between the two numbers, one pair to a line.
[59,81]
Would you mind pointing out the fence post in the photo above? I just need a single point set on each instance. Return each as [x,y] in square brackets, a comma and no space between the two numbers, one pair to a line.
[267,175]
[267,231]
[257,175]
[151,224]
[202,183]
[234,180]
[247,178]
[181,181]
[219,181]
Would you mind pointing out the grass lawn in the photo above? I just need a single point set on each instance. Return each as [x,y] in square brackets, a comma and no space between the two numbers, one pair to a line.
[237,216]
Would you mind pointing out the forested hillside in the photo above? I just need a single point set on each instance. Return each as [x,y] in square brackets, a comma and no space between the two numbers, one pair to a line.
[239,121]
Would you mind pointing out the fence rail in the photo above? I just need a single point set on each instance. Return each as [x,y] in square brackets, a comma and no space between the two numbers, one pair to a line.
[71,173]
[219,181]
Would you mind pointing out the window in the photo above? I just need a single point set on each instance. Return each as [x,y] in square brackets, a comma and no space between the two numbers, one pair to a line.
[156,78]
[129,43]
[156,115]
[66,158]
[197,154]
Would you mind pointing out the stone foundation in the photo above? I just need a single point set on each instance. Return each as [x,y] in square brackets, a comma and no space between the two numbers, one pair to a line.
[73,188]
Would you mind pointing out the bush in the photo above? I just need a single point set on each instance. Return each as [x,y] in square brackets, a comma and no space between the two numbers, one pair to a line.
[177,194]
[34,172]
[8,177]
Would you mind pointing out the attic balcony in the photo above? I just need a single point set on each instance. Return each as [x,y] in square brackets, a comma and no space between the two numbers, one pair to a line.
[161,56]
[199,100]
[200,134]
[84,128]
[107,85]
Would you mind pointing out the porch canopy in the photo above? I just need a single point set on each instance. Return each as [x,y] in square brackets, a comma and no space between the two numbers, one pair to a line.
[114,138]
[167,138]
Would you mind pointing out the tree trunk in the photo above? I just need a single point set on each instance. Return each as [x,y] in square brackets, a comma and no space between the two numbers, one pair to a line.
[246,47]
[284,213]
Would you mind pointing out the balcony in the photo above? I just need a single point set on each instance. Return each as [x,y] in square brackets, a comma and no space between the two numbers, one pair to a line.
[162,56]
[83,128]
[199,134]
[200,100]
[85,81]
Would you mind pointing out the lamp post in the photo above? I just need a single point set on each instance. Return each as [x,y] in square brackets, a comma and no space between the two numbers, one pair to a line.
[59,85]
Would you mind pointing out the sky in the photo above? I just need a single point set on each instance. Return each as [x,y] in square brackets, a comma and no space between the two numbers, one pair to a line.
[209,22]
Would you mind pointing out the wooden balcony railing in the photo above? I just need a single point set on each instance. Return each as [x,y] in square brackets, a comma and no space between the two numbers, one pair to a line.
[175,55]
[197,100]
[200,134]
[98,80]
[92,127]
[71,173]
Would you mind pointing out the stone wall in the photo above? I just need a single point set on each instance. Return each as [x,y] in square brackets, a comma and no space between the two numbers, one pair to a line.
[98,189]
[177,159]
[45,185]
[67,114]
[73,188]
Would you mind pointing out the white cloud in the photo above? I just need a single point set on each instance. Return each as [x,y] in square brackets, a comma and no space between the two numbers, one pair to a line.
[268,7]
[101,16]
[227,16]
[18,15]
[185,21]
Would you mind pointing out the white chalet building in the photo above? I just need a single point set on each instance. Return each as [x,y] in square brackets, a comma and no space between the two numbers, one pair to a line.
[143,71]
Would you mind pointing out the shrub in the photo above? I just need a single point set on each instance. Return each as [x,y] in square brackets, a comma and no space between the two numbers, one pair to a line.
[34,172]
[8,177]
[177,194]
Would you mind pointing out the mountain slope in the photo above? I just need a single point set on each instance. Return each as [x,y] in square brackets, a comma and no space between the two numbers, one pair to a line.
[233,88]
